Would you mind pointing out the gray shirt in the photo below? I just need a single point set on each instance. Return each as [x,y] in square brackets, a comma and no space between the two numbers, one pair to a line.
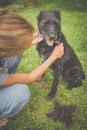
[3,70]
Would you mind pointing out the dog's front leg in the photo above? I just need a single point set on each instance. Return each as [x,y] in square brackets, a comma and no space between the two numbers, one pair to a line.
[57,74]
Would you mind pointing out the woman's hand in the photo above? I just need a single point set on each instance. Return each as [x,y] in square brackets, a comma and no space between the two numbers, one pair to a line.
[37,38]
[58,51]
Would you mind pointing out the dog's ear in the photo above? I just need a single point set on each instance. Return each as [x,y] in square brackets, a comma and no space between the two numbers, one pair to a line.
[39,15]
[58,15]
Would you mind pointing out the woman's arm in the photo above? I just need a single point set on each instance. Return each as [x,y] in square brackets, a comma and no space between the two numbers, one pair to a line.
[38,72]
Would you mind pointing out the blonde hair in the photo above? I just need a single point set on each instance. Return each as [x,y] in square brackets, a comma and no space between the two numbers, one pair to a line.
[15,33]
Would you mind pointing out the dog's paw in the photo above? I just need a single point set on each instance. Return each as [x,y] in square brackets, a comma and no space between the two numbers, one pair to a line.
[75,84]
[50,96]
[69,87]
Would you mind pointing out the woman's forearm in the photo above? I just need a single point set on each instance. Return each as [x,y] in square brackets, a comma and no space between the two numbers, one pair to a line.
[36,73]
[39,71]
[31,77]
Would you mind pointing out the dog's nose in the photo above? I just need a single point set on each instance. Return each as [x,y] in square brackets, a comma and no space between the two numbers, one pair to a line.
[52,36]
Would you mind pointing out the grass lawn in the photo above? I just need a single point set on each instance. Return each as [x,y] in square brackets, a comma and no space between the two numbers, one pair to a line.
[74,26]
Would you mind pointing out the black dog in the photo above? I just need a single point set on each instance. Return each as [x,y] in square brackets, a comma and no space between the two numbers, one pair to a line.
[69,66]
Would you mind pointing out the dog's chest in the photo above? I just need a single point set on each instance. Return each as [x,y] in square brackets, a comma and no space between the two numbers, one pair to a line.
[44,51]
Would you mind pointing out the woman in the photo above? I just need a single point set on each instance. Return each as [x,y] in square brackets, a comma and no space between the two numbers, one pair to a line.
[16,35]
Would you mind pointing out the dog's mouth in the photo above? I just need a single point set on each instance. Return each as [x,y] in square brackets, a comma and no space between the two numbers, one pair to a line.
[52,42]
[48,40]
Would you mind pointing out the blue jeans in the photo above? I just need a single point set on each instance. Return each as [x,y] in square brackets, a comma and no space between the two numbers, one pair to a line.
[14,97]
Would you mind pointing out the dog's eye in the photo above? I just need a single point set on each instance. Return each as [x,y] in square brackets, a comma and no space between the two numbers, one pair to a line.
[45,22]
[56,22]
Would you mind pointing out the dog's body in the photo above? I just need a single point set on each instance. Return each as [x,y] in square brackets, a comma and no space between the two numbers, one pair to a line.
[69,65]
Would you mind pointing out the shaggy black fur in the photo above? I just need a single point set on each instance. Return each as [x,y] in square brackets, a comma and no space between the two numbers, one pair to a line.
[69,66]
[62,113]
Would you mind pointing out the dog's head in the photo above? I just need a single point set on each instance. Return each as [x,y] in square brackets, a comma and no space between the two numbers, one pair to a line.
[49,25]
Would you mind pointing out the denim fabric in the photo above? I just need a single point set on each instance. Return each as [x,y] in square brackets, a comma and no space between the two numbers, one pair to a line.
[3,70]
[14,97]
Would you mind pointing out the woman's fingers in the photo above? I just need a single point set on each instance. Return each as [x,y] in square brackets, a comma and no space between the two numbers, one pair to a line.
[37,38]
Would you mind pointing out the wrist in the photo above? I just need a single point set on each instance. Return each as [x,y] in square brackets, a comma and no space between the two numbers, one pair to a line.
[52,58]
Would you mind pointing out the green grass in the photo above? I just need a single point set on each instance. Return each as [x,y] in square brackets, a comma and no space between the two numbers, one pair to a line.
[74,26]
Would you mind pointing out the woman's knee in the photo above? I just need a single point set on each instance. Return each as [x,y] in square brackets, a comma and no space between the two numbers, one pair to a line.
[22,93]
[15,98]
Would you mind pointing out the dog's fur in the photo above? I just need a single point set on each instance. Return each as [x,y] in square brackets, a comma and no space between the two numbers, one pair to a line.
[69,66]
[62,113]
